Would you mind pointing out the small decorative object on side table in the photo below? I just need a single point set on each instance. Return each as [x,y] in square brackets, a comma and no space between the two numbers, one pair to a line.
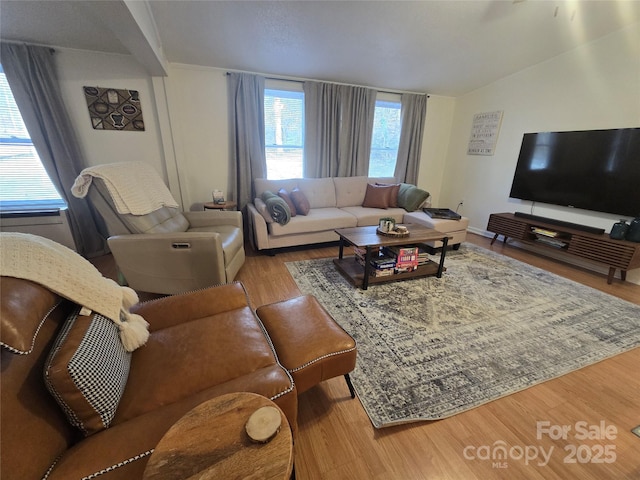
[228,205]
[211,442]
[218,196]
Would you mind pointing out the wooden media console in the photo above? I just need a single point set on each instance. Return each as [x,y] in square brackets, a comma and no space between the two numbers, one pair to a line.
[599,248]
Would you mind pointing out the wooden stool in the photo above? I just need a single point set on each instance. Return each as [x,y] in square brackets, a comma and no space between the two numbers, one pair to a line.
[309,342]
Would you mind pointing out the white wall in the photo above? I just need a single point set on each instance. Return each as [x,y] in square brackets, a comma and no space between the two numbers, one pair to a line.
[78,68]
[435,144]
[595,86]
[54,227]
[197,99]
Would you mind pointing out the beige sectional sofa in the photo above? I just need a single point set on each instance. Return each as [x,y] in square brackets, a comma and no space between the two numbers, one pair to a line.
[335,202]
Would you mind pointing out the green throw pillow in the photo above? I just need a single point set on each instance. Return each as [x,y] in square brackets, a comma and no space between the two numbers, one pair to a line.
[411,197]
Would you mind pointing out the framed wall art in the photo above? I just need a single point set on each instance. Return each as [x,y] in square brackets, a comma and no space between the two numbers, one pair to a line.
[114,109]
[484,133]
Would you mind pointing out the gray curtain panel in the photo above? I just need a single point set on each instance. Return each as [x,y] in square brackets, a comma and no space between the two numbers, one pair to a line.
[246,129]
[32,76]
[358,111]
[321,129]
[414,110]
[338,128]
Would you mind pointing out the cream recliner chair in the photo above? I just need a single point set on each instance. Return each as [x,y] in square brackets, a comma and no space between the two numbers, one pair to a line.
[168,251]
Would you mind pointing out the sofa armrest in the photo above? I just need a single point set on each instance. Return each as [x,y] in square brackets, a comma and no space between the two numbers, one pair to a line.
[170,262]
[213,218]
[169,311]
[259,227]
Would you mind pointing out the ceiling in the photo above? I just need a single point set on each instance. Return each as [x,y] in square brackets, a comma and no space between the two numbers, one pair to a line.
[440,47]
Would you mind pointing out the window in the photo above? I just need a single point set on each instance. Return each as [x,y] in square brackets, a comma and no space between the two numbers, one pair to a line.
[385,138]
[24,183]
[284,133]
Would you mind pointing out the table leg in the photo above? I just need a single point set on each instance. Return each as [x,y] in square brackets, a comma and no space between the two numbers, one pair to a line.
[494,238]
[367,268]
[341,251]
[612,272]
[445,241]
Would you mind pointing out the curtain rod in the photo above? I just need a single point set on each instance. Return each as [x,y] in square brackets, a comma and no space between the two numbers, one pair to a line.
[15,42]
[302,80]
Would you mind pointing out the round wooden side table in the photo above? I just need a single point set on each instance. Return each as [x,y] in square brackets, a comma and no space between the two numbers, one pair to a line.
[210,442]
[228,205]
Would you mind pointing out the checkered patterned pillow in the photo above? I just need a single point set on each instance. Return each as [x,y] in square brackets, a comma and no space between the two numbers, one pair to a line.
[87,371]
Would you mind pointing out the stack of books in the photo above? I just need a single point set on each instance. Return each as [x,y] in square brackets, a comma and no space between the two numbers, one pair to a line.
[423,257]
[383,265]
[389,260]
[382,272]
[544,232]
[406,258]
[549,237]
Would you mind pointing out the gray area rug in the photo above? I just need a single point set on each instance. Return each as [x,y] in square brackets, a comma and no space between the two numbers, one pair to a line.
[430,348]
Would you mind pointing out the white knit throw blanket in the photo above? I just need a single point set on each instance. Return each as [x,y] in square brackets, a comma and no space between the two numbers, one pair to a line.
[68,274]
[135,187]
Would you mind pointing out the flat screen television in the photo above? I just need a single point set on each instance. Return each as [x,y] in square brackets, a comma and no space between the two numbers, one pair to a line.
[595,170]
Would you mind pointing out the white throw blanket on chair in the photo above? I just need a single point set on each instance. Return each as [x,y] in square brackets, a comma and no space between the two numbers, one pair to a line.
[135,187]
[68,274]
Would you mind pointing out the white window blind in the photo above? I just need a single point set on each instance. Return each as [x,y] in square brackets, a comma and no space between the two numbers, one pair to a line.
[385,138]
[284,133]
[24,183]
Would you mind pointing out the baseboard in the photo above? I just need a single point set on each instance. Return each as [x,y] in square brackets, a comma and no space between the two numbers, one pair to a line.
[479,231]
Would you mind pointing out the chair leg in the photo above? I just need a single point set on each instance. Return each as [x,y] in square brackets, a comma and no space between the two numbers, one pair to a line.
[350,385]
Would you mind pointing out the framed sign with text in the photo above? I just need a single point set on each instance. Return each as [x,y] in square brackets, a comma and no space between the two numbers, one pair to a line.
[484,133]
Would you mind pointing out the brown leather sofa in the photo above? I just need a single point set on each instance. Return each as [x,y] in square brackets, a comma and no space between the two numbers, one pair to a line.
[202,344]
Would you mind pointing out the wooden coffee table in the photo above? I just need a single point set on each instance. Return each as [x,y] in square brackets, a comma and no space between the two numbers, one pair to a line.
[210,442]
[368,239]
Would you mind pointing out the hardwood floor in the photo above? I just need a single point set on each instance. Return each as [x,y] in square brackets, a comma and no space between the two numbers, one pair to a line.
[337,441]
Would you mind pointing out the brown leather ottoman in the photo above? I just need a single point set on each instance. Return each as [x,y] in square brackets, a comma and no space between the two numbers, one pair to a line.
[309,342]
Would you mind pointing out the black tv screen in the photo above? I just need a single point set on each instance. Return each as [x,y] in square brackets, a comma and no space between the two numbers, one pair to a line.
[594,170]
